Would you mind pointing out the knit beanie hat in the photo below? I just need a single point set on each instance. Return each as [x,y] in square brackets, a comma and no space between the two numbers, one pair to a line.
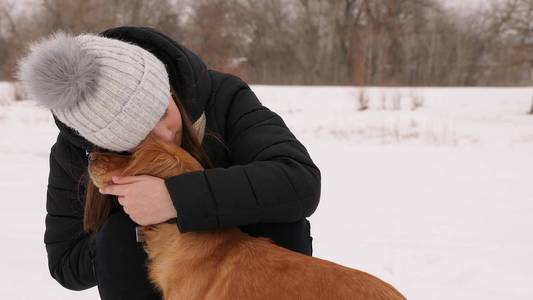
[109,91]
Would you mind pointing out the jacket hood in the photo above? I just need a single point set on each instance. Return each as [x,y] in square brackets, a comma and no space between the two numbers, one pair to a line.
[188,74]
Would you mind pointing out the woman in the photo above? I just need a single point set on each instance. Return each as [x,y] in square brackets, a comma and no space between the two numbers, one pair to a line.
[259,177]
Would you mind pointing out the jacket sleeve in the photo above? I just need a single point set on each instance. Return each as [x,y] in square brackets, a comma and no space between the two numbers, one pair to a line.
[67,245]
[271,178]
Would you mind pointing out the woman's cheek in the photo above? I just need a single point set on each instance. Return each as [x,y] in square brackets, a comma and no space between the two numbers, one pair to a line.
[163,132]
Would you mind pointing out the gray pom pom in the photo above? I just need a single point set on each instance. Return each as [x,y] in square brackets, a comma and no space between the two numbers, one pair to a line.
[57,72]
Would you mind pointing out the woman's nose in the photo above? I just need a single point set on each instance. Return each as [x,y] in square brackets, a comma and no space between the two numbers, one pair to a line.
[92,156]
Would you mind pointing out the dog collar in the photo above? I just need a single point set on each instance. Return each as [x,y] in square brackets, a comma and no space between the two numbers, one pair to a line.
[139,230]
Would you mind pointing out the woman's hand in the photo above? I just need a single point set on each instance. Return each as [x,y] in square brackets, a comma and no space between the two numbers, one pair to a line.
[144,198]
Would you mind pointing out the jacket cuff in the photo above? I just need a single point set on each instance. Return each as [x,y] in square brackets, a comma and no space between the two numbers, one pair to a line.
[193,201]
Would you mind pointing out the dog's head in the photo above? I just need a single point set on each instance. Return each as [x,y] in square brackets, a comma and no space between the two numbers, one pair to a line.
[103,165]
[153,157]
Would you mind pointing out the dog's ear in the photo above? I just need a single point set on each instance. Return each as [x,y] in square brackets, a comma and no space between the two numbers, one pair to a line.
[189,162]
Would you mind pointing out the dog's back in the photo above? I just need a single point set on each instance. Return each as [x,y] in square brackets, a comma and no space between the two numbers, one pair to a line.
[229,264]
[259,269]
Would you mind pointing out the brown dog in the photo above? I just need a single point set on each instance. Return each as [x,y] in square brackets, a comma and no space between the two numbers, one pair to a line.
[228,264]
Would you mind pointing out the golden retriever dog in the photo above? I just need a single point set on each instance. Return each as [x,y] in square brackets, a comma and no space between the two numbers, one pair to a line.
[227,264]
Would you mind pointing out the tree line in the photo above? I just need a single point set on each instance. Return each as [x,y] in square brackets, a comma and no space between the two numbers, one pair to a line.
[327,42]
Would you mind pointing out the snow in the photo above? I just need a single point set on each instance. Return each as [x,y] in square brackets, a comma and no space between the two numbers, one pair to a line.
[436,201]
[7,92]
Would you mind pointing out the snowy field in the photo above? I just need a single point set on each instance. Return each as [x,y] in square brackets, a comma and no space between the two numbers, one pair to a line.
[437,201]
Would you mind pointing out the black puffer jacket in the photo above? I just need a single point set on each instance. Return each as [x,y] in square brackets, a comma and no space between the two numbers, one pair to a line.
[266,183]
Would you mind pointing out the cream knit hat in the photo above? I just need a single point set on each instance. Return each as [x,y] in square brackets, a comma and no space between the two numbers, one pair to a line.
[110,91]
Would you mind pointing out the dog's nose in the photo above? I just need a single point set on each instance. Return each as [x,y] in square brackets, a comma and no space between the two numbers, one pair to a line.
[92,156]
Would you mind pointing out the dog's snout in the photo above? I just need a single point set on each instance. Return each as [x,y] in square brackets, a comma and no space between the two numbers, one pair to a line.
[92,156]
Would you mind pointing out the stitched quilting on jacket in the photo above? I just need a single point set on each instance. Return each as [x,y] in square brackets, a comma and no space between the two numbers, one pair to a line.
[265,181]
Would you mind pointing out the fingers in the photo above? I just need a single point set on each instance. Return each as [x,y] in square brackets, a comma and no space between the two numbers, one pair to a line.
[121,200]
[114,189]
[119,188]
[125,179]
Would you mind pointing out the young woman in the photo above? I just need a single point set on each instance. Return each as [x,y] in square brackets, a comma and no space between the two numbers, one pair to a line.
[258,176]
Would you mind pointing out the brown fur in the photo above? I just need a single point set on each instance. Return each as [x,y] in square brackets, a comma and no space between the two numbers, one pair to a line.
[228,264]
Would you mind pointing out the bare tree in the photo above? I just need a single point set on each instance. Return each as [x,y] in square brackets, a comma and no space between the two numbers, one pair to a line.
[348,42]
